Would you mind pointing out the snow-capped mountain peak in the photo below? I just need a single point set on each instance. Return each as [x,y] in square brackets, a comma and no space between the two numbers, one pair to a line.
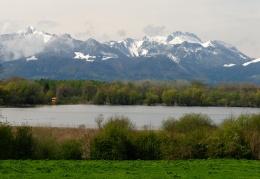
[30,30]
[180,37]
[66,36]
[173,46]
[159,39]
[181,55]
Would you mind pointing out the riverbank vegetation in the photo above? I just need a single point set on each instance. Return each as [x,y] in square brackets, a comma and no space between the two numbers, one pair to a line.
[193,136]
[17,91]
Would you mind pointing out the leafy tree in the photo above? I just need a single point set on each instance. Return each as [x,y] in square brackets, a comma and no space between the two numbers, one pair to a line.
[64,91]
[134,97]
[99,98]
[49,94]
[169,97]
[89,90]
[190,97]
[151,98]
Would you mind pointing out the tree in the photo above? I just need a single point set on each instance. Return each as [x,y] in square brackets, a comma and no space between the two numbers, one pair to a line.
[169,97]
[191,97]
[49,94]
[99,98]
[64,91]
[89,90]
[151,98]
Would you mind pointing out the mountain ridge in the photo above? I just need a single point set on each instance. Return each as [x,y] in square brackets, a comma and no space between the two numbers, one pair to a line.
[180,55]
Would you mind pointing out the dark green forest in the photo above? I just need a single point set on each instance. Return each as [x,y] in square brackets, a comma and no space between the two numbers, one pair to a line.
[18,91]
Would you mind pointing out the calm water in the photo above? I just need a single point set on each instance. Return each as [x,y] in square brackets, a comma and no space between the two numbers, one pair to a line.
[75,115]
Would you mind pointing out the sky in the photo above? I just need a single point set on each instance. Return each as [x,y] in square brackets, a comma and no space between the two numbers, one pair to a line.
[236,22]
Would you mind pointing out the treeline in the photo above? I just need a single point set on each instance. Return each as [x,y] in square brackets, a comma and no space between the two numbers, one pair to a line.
[193,136]
[17,91]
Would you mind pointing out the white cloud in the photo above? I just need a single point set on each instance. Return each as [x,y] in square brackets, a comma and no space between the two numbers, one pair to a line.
[88,33]
[23,47]
[121,33]
[47,24]
[7,26]
[153,30]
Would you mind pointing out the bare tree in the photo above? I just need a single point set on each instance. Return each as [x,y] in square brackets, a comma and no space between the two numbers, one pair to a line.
[99,120]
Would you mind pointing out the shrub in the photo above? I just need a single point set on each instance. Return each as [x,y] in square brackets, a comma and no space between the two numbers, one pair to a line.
[147,146]
[192,121]
[251,132]
[72,150]
[47,147]
[186,138]
[113,142]
[229,140]
[187,123]
[24,142]
[6,140]
[175,147]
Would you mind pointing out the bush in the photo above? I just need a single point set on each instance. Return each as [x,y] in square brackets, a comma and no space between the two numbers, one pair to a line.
[192,121]
[47,147]
[113,142]
[6,140]
[188,123]
[251,132]
[229,140]
[72,150]
[170,125]
[24,143]
[147,146]
[186,138]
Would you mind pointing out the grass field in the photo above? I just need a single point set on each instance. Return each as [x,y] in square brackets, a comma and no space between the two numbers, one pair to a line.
[217,168]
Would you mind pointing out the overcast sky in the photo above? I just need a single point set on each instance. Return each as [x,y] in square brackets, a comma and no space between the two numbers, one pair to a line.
[233,21]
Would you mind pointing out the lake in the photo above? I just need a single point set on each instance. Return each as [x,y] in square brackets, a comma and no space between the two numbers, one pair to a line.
[75,115]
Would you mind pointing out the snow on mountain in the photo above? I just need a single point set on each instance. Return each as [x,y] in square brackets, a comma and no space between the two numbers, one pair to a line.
[207,44]
[87,57]
[170,46]
[250,62]
[33,31]
[133,46]
[180,55]
[24,43]
[32,58]
[175,59]
[129,47]
[107,56]
[159,39]
[229,65]
[180,37]
[28,30]
[175,38]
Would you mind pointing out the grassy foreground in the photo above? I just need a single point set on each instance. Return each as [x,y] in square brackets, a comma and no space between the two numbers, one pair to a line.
[217,168]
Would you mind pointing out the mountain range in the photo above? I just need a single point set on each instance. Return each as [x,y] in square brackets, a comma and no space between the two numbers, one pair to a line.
[34,54]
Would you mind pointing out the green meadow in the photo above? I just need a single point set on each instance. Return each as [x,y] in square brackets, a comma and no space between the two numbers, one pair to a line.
[210,168]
